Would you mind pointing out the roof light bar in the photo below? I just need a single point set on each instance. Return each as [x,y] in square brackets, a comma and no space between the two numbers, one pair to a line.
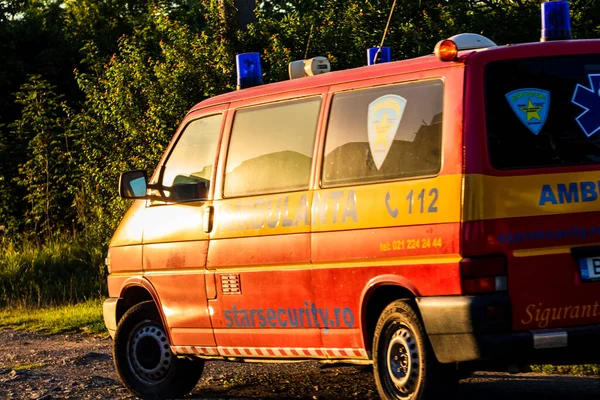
[311,67]
[556,21]
[249,71]
[385,55]
[471,41]
[446,50]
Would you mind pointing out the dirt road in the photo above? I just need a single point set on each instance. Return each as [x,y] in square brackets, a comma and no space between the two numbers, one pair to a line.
[80,367]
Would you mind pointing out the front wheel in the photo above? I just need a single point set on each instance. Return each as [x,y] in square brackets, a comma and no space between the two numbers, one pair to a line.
[144,360]
[404,365]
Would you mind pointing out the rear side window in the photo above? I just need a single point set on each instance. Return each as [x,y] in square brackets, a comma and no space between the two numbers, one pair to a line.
[536,111]
[271,148]
[384,133]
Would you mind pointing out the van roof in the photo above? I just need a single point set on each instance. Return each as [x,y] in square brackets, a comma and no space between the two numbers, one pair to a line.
[330,78]
[404,66]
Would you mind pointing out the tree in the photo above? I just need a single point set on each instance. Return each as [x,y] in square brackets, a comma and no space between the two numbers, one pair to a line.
[47,171]
[140,65]
[134,104]
[237,14]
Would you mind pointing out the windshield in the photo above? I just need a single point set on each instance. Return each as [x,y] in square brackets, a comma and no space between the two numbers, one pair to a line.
[543,112]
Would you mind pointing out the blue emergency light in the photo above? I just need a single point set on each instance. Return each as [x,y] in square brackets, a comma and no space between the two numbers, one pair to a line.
[385,55]
[249,72]
[556,22]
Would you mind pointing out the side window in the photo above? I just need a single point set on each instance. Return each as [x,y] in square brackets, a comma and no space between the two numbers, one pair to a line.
[384,133]
[188,169]
[271,148]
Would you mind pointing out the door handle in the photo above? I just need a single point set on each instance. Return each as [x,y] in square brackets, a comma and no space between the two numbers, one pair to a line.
[209,212]
[211,285]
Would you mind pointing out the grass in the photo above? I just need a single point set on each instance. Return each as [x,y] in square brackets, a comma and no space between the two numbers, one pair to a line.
[578,370]
[65,271]
[80,317]
[25,367]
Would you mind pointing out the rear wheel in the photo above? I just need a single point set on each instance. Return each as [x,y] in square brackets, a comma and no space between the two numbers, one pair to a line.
[404,365]
[144,360]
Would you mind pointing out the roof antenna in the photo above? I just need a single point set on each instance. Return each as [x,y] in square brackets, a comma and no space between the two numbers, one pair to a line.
[384,33]
[308,43]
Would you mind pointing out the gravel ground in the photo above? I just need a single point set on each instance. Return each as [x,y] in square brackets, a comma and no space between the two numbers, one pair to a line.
[80,367]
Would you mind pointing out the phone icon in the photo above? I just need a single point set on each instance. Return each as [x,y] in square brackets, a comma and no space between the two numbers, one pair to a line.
[392,211]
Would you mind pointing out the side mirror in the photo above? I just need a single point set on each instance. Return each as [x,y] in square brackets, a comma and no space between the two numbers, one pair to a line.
[133,184]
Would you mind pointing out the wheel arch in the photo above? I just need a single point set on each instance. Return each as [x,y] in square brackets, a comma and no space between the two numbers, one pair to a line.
[138,290]
[377,294]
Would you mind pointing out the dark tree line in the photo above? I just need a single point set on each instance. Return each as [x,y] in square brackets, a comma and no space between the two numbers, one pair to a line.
[90,88]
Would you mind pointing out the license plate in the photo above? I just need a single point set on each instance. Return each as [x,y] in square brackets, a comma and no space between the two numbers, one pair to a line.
[589,268]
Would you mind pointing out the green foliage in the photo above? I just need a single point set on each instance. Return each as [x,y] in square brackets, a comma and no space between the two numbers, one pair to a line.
[134,105]
[47,173]
[85,316]
[66,271]
[579,370]
[32,42]
[8,200]
[24,367]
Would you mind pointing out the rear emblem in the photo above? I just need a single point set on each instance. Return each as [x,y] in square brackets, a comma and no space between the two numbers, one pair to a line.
[589,100]
[531,107]
[385,114]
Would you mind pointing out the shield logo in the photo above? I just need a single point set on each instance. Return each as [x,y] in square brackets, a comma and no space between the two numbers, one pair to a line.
[531,106]
[384,118]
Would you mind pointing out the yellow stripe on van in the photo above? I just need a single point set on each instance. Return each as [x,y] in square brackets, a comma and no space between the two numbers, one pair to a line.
[410,202]
[283,213]
[489,197]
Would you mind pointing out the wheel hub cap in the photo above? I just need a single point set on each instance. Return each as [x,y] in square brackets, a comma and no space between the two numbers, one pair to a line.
[150,353]
[403,361]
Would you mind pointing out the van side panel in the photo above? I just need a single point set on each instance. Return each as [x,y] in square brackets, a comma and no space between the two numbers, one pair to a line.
[189,325]
[408,228]
[429,268]
[346,258]
[261,243]
[125,251]
[280,250]
[290,268]
[264,242]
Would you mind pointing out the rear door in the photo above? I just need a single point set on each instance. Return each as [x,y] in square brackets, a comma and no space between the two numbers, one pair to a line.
[538,200]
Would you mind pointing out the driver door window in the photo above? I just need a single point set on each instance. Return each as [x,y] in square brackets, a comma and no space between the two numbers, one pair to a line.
[188,170]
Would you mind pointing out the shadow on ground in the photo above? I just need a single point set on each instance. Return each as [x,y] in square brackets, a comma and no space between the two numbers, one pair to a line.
[309,381]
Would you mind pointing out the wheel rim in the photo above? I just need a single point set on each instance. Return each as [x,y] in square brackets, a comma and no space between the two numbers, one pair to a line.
[403,361]
[149,353]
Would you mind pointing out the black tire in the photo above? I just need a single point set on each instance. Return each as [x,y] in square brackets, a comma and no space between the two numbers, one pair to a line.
[144,360]
[404,364]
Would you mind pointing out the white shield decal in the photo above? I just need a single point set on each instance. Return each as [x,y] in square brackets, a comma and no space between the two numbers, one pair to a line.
[384,118]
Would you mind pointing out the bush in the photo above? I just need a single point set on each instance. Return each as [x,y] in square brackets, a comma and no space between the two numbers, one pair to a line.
[66,271]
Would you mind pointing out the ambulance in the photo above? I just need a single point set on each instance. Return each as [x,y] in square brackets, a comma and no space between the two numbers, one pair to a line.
[425,216]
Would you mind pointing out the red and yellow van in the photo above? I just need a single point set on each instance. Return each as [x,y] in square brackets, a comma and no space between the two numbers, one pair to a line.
[416,215]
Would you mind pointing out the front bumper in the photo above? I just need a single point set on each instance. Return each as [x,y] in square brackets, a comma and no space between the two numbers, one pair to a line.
[109,309]
[459,330]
